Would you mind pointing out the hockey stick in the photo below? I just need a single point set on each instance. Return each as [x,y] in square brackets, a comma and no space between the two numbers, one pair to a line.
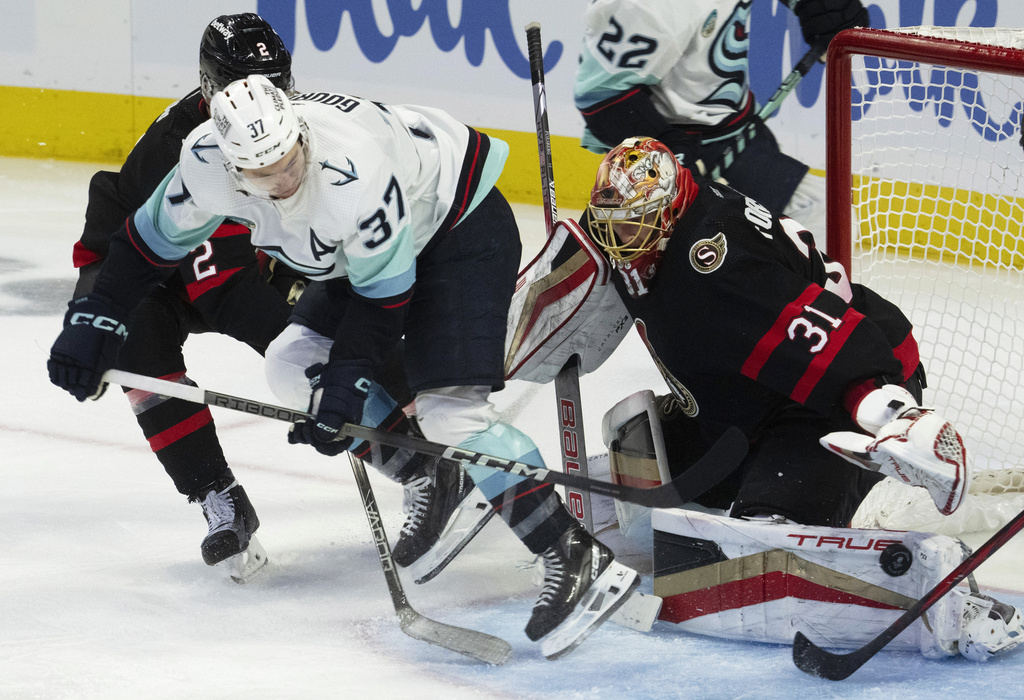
[723,457]
[540,113]
[567,383]
[814,660]
[477,645]
[785,87]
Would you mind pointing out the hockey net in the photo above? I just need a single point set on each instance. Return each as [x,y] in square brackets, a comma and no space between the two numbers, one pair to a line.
[925,190]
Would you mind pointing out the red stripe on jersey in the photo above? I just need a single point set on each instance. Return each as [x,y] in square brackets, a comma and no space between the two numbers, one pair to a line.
[399,304]
[773,338]
[908,355]
[836,339]
[82,256]
[461,207]
[159,262]
[230,229]
[625,96]
[200,287]
[176,432]
[770,586]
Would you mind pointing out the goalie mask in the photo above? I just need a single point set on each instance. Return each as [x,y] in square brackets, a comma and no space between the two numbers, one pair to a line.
[259,133]
[235,46]
[640,193]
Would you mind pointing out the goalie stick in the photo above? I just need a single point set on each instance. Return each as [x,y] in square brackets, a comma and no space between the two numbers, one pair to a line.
[814,660]
[477,645]
[785,87]
[567,384]
[718,462]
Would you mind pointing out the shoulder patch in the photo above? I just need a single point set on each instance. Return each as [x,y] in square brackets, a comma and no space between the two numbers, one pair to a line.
[707,254]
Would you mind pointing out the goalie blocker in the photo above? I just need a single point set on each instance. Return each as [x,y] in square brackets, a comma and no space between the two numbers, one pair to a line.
[765,579]
[564,305]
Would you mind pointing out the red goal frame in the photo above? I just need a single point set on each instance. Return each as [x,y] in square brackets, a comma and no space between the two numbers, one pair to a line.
[882,44]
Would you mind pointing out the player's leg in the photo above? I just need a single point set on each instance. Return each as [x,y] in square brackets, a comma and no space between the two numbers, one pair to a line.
[454,356]
[181,434]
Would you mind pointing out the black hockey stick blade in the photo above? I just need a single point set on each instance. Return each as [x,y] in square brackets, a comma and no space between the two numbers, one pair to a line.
[814,660]
[723,457]
[477,645]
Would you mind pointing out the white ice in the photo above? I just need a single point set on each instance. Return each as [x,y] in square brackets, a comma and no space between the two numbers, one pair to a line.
[103,593]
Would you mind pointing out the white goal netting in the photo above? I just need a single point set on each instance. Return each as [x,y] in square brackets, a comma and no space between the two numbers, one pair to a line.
[938,228]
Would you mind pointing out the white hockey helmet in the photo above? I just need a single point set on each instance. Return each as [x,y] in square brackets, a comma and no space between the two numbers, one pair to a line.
[254,123]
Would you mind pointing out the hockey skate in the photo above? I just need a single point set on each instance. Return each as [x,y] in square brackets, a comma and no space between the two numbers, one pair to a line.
[988,627]
[232,521]
[919,448]
[583,587]
[445,511]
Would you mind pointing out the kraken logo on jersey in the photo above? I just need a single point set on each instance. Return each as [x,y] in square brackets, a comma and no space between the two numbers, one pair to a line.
[709,24]
[350,175]
[707,254]
[687,403]
[728,59]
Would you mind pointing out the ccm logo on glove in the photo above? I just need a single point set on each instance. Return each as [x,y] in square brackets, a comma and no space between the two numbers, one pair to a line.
[103,323]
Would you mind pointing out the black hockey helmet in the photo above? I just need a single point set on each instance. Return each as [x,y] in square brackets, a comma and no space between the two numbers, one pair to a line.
[235,46]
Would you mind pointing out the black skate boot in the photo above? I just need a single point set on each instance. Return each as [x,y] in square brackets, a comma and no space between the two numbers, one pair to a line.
[445,511]
[583,586]
[231,518]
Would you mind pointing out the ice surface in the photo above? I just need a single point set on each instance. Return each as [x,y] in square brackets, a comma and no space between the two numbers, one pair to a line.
[103,593]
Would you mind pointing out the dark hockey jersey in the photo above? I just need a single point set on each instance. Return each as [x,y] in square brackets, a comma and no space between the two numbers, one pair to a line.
[744,316]
[225,278]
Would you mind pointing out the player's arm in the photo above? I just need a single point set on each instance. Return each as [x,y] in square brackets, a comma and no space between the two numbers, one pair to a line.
[142,253]
[113,196]
[381,265]
[800,334]
[627,49]
[239,292]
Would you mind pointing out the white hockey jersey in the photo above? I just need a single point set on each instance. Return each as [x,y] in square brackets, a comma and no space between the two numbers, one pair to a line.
[380,182]
[692,54]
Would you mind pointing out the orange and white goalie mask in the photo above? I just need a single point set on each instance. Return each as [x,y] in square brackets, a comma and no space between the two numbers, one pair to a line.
[640,193]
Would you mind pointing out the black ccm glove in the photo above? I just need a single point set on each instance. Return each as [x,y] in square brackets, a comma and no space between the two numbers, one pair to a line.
[820,20]
[87,347]
[339,391]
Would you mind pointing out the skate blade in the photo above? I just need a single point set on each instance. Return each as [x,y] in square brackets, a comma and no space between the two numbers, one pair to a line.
[605,596]
[452,541]
[243,567]
[638,612]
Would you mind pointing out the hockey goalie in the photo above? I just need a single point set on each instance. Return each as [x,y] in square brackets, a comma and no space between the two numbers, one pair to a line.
[750,325]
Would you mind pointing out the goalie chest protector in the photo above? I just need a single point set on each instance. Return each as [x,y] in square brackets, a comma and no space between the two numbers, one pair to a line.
[564,305]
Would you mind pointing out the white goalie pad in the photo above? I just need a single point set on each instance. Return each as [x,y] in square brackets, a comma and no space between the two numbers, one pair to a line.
[632,433]
[564,304]
[764,580]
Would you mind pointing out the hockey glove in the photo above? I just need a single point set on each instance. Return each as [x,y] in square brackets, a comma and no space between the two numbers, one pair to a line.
[87,347]
[339,391]
[820,20]
[911,444]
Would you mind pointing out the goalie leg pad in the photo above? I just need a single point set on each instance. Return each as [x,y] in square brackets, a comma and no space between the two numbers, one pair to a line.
[636,451]
[763,580]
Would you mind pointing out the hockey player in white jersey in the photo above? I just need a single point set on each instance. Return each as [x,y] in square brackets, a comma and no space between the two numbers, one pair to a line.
[678,72]
[374,202]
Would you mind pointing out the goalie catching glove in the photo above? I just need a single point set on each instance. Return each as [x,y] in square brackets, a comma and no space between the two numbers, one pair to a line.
[339,391]
[87,347]
[912,444]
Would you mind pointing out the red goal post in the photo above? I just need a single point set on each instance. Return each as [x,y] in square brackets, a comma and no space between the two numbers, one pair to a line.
[925,180]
